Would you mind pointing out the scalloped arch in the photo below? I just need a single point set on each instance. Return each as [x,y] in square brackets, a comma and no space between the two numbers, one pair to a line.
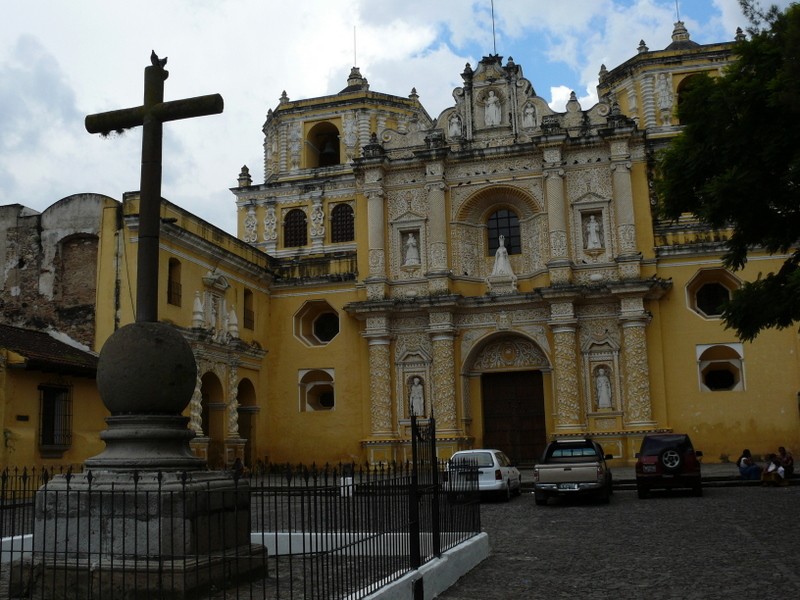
[477,207]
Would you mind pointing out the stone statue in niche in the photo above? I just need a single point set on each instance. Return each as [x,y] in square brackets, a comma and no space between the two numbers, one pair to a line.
[593,238]
[529,116]
[416,398]
[412,251]
[454,126]
[664,90]
[502,265]
[492,110]
[602,385]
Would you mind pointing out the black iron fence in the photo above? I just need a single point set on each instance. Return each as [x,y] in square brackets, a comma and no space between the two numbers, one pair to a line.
[278,532]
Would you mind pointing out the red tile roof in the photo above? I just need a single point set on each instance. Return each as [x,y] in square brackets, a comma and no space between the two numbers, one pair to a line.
[45,353]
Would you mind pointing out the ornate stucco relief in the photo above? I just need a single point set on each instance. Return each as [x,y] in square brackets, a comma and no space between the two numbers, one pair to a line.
[636,371]
[380,391]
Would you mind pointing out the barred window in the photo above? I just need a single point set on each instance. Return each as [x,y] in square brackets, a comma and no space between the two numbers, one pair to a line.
[342,224]
[55,420]
[506,223]
[174,290]
[294,229]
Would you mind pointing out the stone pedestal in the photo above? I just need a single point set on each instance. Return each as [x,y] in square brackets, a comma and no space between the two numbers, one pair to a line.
[155,534]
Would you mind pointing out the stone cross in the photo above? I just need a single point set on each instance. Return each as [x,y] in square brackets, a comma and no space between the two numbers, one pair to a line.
[151,116]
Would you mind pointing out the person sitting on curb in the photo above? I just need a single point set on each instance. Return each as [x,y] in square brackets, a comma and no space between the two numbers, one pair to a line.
[773,473]
[747,468]
[787,461]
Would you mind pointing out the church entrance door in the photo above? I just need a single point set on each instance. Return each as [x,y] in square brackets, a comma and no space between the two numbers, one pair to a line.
[513,414]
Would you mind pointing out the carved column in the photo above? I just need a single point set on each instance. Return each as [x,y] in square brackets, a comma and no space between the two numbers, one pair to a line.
[270,226]
[380,393]
[623,203]
[437,229]
[649,101]
[442,335]
[556,215]
[568,414]
[317,229]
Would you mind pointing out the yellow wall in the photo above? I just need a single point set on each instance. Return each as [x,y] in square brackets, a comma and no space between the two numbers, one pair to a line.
[722,423]
[20,443]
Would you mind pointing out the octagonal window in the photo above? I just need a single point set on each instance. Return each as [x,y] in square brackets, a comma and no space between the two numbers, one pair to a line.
[711,297]
[316,323]
[709,290]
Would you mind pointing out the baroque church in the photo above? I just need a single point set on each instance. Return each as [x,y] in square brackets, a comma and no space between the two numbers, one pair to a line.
[499,267]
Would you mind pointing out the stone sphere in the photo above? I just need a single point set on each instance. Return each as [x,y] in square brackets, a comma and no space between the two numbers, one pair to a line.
[146,368]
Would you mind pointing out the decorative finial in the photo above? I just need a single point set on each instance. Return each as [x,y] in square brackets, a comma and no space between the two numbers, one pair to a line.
[157,62]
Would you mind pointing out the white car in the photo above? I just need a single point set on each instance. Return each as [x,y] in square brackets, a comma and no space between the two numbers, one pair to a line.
[496,475]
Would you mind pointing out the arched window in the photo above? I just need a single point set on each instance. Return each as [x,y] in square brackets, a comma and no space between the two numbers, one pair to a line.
[174,290]
[317,390]
[685,86]
[249,314]
[506,223]
[720,367]
[294,229]
[342,224]
[322,146]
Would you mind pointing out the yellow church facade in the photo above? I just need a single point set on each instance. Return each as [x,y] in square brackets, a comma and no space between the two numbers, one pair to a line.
[498,267]
[599,319]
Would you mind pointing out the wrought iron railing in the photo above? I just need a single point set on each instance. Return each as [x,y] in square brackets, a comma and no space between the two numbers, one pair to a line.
[322,532]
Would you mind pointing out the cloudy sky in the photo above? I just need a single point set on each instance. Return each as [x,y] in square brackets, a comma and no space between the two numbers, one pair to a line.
[61,60]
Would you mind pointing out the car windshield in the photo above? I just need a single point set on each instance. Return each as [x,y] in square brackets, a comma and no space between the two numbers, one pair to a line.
[653,446]
[480,459]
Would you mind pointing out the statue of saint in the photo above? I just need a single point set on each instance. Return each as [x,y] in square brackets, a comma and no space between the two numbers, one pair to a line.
[412,251]
[593,241]
[502,266]
[416,398]
[602,386]
[492,111]
[529,116]
[455,126]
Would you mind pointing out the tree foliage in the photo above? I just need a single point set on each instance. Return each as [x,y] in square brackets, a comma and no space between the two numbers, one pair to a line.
[736,164]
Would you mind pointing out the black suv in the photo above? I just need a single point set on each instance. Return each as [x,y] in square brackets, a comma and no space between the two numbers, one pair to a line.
[667,460]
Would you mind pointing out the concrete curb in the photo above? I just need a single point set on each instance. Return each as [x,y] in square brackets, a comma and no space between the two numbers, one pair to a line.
[437,575]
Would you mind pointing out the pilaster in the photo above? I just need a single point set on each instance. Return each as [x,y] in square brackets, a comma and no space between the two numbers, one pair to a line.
[380,394]
[563,324]
[442,334]
[629,267]
[558,264]
[437,242]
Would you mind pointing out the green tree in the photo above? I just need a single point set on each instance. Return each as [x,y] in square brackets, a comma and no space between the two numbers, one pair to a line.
[736,164]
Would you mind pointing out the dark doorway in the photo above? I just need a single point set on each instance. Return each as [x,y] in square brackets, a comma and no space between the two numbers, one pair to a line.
[513,414]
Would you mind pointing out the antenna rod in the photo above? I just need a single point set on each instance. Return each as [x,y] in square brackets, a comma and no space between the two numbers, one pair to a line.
[355,61]
[494,39]
[677,10]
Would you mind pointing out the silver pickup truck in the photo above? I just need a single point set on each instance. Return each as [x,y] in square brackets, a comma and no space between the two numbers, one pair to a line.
[571,467]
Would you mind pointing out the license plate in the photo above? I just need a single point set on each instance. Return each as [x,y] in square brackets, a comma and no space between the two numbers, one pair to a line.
[568,486]
[649,468]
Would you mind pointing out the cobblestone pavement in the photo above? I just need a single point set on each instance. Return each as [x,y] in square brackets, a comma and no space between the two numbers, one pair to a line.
[735,542]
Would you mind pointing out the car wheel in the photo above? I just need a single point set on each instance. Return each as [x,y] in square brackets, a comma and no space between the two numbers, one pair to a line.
[642,492]
[605,496]
[540,499]
[671,459]
[507,492]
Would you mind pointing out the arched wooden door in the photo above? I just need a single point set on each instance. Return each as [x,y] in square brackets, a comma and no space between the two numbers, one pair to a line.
[513,414]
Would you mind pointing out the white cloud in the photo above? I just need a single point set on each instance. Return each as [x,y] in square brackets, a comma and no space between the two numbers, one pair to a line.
[60,61]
